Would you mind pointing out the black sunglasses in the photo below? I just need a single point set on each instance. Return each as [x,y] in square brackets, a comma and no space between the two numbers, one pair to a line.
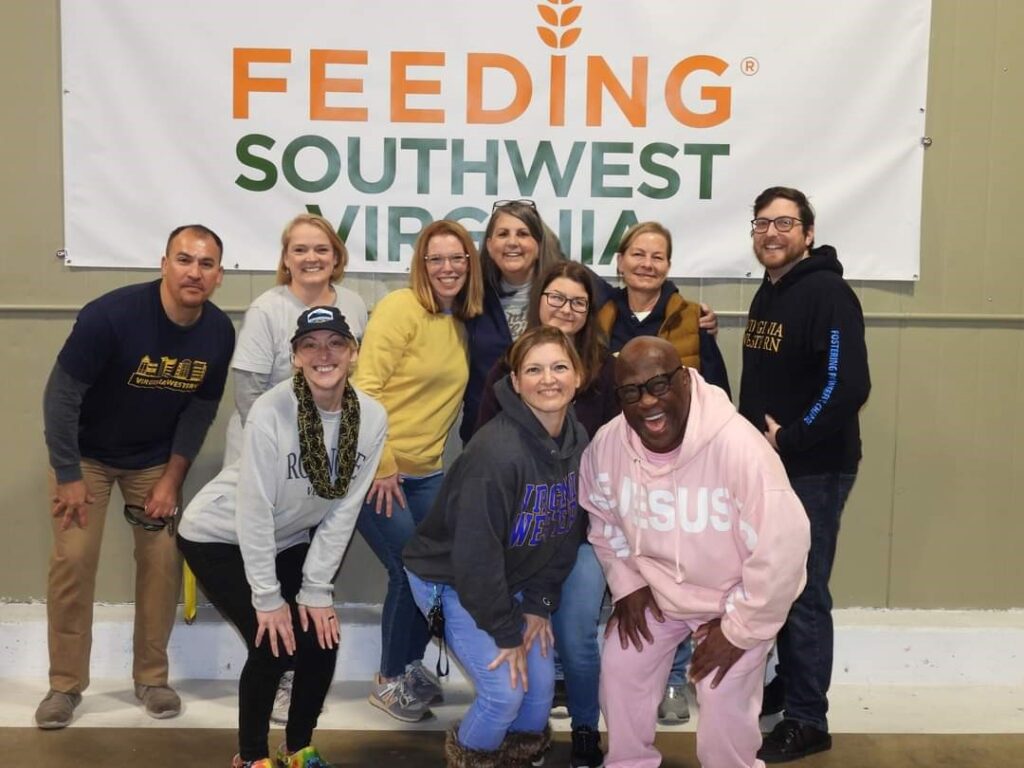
[136,515]
[656,386]
[507,203]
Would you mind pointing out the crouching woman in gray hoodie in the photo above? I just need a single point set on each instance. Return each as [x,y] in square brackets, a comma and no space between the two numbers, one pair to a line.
[495,548]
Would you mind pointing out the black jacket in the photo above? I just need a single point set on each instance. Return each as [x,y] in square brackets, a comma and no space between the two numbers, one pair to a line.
[506,520]
[805,363]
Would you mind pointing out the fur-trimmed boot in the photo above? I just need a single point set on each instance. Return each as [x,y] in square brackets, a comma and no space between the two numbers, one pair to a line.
[523,749]
[456,755]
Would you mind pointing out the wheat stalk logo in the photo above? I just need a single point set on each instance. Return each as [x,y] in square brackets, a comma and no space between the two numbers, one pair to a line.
[559,21]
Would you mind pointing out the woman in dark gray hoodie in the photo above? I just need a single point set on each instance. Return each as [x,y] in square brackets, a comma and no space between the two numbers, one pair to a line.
[496,547]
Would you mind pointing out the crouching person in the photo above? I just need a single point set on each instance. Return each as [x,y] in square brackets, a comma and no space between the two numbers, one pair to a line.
[699,533]
[495,548]
[309,453]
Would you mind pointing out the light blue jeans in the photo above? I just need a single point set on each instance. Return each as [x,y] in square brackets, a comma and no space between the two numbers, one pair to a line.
[498,707]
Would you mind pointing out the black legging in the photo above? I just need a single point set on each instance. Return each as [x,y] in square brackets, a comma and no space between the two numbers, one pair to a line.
[221,572]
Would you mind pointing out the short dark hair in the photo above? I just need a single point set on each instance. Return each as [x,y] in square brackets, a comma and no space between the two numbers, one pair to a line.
[198,229]
[793,195]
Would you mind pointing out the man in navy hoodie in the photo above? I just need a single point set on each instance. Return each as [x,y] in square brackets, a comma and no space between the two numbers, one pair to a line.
[805,378]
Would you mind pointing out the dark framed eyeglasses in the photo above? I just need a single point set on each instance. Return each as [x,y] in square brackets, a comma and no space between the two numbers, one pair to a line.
[656,386]
[782,224]
[435,260]
[506,203]
[579,304]
[136,515]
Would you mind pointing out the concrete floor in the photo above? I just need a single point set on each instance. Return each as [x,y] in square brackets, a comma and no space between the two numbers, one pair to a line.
[878,727]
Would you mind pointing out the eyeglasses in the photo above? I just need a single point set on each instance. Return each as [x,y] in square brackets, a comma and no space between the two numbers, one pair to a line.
[578,304]
[782,224]
[656,386]
[136,515]
[435,260]
[309,347]
[506,203]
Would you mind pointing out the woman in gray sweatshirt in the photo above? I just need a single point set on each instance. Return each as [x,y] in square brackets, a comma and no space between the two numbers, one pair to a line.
[266,536]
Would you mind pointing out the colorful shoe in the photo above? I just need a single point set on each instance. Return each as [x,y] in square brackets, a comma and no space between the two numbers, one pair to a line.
[397,700]
[238,762]
[424,684]
[307,757]
[283,698]
[674,708]
[586,748]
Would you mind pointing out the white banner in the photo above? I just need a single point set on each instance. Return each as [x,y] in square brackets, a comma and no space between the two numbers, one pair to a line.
[383,116]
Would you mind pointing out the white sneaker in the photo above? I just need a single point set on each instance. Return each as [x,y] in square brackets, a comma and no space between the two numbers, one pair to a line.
[674,706]
[283,698]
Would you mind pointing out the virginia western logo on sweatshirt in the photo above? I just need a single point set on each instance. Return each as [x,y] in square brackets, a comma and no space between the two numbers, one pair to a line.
[168,373]
[763,334]
[692,509]
[545,511]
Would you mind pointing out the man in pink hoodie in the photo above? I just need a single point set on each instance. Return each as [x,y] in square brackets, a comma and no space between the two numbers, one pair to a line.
[699,532]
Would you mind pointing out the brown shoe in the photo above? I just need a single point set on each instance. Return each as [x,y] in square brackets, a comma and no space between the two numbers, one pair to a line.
[56,709]
[160,701]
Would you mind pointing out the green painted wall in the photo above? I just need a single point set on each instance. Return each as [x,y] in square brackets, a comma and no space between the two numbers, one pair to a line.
[933,520]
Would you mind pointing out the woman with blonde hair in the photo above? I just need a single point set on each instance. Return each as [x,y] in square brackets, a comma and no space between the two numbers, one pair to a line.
[414,362]
[312,263]
[266,540]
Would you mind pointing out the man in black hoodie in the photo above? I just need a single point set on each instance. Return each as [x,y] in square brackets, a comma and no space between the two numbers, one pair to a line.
[805,377]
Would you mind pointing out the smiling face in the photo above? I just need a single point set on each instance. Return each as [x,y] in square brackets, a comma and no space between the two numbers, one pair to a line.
[546,380]
[325,358]
[513,248]
[447,267]
[309,257]
[778,251]
[660,421]
[644,263]
[566,319]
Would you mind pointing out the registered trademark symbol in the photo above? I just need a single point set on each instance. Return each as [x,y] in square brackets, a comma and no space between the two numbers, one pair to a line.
[749,66]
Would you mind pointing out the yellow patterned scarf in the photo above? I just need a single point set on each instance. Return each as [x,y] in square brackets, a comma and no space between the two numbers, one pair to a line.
[311,440]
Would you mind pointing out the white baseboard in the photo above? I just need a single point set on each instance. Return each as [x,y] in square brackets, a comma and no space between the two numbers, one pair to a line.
[873,647]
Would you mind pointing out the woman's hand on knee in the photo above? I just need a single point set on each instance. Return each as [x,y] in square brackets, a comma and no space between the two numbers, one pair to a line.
[388,492]
[325,621]
[276,624]
[539,629]
[516,658]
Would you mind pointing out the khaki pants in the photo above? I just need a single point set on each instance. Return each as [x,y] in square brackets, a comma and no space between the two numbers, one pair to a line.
[72,583]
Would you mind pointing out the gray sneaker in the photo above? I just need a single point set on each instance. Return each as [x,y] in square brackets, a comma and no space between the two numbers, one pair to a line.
[674,707]
[397,700]
[424,685]
[160,701]
[56,709]
[283,698]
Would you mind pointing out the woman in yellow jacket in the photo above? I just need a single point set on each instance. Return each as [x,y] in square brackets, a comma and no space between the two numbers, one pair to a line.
[414,362]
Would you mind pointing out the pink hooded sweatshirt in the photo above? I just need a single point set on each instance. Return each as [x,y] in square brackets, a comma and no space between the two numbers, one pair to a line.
[715,531]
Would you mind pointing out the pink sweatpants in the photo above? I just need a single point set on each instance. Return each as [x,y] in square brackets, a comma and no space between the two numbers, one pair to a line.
[632,684]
